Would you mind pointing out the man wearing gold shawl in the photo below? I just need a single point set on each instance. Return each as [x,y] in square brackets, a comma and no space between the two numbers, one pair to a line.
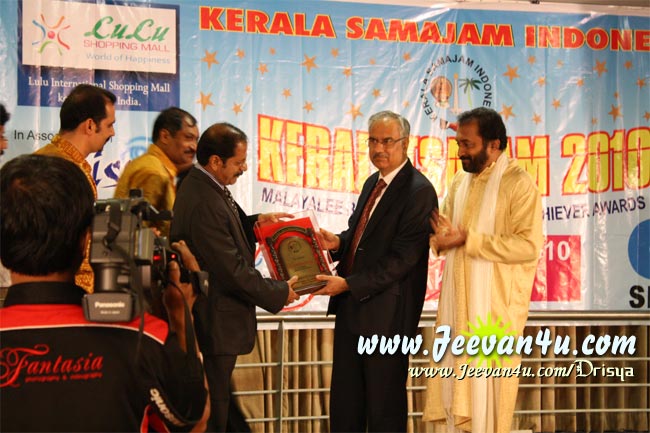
[490,231]
[87,123]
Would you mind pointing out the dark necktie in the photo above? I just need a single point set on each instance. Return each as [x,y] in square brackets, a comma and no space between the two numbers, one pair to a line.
[241,219]
[230,199]
[363,221]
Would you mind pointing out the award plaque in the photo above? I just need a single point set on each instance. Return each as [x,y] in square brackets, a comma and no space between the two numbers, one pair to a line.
[291,248]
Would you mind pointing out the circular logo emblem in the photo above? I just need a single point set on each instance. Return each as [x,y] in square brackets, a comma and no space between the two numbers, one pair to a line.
[638,249]
[452,84]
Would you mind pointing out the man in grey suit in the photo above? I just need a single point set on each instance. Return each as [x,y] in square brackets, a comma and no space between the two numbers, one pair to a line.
[382,279]
[221,236]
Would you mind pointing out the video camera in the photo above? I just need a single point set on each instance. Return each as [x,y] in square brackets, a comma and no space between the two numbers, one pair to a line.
[129,261]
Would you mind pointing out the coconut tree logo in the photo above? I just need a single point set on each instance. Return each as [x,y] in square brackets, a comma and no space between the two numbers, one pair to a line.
[469,84]
[51,35]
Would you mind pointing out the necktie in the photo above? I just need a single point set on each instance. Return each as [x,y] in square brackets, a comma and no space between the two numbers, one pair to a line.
[363,221]
[241,221]
[230,199]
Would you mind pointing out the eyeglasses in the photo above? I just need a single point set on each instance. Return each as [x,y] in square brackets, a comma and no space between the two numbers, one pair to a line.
[388,143]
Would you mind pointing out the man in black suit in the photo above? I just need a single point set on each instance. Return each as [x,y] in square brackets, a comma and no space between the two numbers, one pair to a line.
[221,237]
[382,279]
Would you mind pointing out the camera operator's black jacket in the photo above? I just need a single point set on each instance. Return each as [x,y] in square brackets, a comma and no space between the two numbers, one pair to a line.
[221,237]
[61,373]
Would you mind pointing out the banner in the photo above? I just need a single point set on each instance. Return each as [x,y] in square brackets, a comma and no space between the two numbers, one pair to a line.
[302,78]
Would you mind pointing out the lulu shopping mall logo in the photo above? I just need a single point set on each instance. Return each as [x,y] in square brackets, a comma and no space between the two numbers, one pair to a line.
[145,31]
[51,35]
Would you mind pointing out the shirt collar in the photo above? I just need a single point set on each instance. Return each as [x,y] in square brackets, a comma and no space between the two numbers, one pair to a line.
[69,149]
[162,156]
[390,176]
[214,179]
[44,293]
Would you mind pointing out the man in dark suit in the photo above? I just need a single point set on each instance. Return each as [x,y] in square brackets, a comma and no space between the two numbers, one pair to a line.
[221,237]
[381,283]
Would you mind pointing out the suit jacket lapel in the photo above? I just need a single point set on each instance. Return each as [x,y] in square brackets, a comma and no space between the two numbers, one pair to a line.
[232,211]
[238,217]
[246,227]
[393,191]
[363,198]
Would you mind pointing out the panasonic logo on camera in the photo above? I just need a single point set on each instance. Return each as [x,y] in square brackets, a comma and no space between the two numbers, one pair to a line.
[109,304]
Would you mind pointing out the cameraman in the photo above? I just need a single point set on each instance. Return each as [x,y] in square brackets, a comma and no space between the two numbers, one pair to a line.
[59,371]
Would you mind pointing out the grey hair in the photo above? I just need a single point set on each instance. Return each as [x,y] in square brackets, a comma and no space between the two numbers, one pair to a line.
[404,124]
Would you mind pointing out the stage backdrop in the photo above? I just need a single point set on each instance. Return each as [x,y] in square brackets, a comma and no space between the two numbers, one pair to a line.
[302,78]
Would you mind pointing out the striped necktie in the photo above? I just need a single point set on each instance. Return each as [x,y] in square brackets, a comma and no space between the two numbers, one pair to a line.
[230,199]
[363,221]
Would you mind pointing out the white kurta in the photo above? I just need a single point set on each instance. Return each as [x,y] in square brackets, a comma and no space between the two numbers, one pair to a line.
[514,248]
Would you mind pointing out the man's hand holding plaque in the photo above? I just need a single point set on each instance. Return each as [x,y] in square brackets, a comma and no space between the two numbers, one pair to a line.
[328,240]
[273,217]
[292,249]
[334,284]
[293,296]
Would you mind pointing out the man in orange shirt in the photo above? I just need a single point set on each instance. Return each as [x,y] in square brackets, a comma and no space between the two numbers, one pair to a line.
[175,135]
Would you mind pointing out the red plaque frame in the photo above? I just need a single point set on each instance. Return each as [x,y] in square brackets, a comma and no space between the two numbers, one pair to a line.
[292,248]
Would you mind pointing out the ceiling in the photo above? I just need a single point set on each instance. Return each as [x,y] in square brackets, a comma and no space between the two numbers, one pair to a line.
[609,3]
[642,6]
[635,3]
